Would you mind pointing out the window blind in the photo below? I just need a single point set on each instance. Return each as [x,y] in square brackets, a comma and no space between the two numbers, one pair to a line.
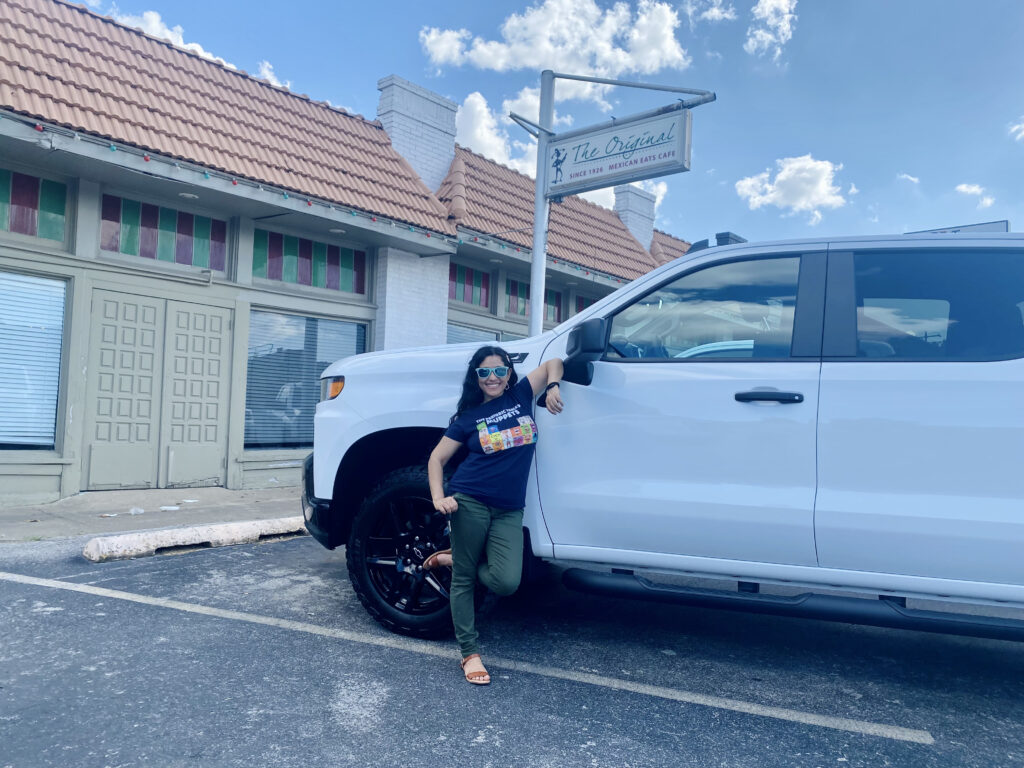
[31,336]
[287,354]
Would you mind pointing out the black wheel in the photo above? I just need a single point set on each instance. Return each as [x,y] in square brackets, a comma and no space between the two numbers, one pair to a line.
[395,530]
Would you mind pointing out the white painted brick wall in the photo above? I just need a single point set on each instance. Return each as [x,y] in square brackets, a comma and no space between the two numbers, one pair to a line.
[421,125]
[635,208]
[412,299]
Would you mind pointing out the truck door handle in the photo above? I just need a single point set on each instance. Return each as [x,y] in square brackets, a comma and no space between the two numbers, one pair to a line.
[760,395]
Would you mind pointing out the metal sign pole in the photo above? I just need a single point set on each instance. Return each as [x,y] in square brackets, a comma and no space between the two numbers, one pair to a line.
[538,265]
[665,151]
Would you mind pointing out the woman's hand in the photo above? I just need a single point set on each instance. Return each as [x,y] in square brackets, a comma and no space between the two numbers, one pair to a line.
[553,400]
[446,505]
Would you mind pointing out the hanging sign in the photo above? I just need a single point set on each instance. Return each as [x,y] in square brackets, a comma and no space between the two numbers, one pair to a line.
[629,150]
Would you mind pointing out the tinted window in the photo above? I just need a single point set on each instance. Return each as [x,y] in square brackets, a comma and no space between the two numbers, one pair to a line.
[940,305]
[740,309]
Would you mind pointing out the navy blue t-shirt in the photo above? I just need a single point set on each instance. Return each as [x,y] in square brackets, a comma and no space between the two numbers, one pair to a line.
[501,436]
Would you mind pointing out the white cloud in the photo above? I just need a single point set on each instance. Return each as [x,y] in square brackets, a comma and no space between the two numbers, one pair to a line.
[479,129]
[908,177]
[853,189]
[570,36]
[266,71]
[657,188]
[604,197]
[771,29]
[444,46]
[1017,131]
[476,127]
[527,104]
[526,160]
[801,184]
[976,190]
[708,10]
[151,23]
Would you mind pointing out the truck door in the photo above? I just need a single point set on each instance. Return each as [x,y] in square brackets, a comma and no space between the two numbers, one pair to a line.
[696,435]
[921,425]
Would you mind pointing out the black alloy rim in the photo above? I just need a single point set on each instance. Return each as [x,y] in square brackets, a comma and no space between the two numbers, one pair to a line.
[405,532]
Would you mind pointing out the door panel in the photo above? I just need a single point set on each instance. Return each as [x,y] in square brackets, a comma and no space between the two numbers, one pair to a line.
[124,387]
[194,435]
[920,469]
[660,457]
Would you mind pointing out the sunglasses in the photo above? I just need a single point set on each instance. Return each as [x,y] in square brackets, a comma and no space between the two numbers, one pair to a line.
[501,371]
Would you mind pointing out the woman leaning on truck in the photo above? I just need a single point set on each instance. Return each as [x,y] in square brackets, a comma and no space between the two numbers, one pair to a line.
[487,493]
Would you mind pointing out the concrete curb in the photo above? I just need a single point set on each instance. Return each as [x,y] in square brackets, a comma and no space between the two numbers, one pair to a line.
[142,543]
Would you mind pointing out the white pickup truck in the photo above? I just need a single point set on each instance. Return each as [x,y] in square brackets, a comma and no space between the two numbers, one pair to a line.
[845,416]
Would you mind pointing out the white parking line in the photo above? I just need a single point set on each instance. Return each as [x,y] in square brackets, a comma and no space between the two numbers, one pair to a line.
[881,730]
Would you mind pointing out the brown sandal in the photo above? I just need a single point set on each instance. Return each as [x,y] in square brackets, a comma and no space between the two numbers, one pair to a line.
[475,676]
[431,562]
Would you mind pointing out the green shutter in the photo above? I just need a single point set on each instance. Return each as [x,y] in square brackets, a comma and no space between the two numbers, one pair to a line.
[460,283]
[259,253]
[52,201]
[131,221]
[5,200]
[319,265]
[477,278]
[348,272]
[201,226]
[290,265]
[167,239]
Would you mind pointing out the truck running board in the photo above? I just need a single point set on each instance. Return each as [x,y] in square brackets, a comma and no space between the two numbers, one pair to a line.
[885,612]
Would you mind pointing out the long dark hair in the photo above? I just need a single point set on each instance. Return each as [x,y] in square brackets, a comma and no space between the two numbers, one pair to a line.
[472,395]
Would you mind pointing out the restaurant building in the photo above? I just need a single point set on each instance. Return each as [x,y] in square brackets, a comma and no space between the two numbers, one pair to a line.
[184,247]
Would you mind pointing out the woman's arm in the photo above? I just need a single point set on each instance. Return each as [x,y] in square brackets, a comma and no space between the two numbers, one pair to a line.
[435,473]
[545,375]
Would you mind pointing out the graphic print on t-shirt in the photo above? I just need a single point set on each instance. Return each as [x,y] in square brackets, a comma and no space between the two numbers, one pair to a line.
[493,440]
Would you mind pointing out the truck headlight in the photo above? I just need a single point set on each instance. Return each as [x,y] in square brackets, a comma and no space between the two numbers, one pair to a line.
[331,387]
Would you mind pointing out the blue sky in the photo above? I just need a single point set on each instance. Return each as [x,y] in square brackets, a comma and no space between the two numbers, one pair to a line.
[833,117]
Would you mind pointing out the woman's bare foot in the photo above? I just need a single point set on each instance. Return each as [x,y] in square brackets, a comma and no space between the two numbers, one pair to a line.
[474,670]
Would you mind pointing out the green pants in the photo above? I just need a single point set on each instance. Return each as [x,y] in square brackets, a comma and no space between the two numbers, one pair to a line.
[478,529]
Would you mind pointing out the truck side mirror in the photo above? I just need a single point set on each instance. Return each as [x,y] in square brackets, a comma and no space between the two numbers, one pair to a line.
[587,342]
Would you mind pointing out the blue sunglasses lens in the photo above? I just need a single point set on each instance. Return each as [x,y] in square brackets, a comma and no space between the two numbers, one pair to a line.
[500,371]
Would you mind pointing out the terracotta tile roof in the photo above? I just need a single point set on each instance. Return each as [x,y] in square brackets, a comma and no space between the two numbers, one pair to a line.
[63,64]
[665,247]
[484,196]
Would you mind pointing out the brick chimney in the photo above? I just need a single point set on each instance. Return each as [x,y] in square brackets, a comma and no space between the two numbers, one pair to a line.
[635,208]
[421,125]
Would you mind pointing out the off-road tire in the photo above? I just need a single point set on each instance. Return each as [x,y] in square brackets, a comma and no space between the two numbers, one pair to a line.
[386,527]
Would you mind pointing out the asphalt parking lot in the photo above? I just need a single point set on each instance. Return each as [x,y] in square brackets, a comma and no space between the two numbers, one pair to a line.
[260,655]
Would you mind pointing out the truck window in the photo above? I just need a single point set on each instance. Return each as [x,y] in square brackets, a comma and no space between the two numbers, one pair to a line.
[735,310]
[940,305]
